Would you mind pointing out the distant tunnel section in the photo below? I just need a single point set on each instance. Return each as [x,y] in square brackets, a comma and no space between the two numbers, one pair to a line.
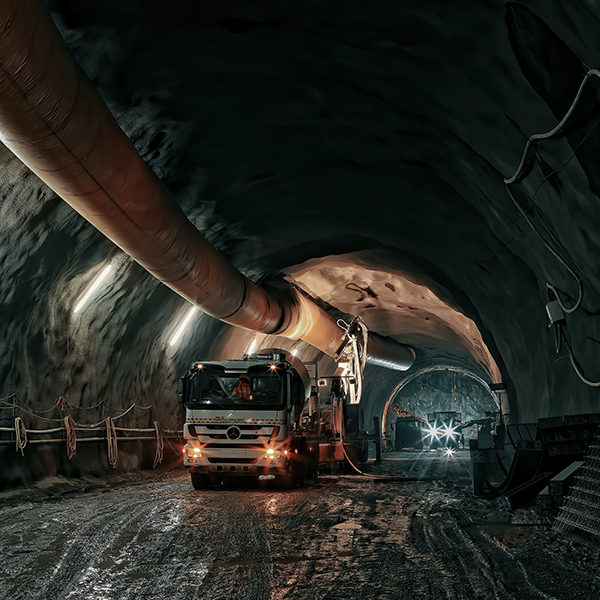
[439,407]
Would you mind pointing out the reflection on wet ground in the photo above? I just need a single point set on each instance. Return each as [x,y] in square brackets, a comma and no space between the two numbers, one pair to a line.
[345,537]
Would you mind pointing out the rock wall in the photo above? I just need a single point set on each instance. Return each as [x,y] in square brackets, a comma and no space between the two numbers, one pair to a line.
[297,130]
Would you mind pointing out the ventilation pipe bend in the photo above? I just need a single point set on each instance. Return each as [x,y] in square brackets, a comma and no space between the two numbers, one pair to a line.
[54,120]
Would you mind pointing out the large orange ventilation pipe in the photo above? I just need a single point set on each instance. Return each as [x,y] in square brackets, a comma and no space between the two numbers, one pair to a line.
[54,120]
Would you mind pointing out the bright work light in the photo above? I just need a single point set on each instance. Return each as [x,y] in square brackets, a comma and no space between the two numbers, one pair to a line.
[177,335]
[95,285]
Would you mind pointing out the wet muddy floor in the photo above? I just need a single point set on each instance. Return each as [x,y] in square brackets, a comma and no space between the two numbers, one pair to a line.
[346,537]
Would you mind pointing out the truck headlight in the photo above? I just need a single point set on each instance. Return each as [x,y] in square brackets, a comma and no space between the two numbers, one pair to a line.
[272,454]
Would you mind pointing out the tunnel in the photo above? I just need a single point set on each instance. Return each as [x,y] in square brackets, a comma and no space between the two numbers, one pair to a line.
[199,181]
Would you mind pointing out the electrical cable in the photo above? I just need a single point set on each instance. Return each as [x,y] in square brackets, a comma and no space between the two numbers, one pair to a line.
[351,463]
[517,174]
[565,162]
[556,255]
[29,413]
[552,132]
[111,418]
[576,366]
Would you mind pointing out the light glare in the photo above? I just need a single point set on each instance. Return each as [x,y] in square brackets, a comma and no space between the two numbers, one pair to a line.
[252,346]
[99,279]
[177,335]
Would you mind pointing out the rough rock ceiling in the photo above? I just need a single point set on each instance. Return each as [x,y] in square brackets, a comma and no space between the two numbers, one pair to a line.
[301,130]
[371,286]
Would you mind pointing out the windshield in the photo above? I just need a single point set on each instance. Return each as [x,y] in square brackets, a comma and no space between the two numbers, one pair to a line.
[254,389]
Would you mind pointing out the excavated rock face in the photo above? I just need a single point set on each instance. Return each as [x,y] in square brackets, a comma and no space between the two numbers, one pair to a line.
[301,135]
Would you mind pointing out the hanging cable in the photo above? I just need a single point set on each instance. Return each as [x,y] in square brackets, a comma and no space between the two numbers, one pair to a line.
[20,435]
[61,404]
[71,437]
[556,255]
[552,132]
[160,446]
[578,370]
[111,441]
[516,176]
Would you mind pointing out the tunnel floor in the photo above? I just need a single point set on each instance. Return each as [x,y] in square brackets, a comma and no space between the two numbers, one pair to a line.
[149,536]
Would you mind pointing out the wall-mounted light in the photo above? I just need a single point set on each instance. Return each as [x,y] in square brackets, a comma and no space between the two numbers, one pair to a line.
[95,285]
[181,329]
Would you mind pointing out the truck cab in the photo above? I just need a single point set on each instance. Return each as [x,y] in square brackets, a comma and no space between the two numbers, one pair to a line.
[242,419]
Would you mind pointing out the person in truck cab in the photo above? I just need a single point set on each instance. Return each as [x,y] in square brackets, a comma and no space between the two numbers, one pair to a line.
[242,389]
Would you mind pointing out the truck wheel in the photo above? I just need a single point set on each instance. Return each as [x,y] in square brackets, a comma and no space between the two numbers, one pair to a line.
[199,481]
[289,479]
[313,467]
[301,472]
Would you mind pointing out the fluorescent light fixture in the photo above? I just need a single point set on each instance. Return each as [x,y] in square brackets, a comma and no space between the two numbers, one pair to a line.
[252,346]
[95,285]
[177,335]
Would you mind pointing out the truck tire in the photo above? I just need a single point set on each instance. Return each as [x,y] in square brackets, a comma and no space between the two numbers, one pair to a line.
[312,462]
[291,478]
[200,481]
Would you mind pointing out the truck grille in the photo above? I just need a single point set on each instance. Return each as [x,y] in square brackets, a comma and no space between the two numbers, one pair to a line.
[222,436]
[249,432]
[232,461]
[231,445]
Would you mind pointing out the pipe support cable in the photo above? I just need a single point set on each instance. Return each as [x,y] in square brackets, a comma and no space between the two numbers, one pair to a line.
[517,174]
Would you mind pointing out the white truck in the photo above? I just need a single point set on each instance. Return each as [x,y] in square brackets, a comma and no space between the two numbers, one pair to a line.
[243,419]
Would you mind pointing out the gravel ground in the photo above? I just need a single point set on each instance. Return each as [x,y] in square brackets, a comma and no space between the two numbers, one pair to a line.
[151,536]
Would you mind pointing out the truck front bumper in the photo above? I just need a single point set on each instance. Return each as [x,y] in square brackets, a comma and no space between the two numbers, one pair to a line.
[238,470]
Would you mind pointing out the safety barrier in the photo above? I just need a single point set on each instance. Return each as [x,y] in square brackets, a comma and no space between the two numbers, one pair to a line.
[111,434]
